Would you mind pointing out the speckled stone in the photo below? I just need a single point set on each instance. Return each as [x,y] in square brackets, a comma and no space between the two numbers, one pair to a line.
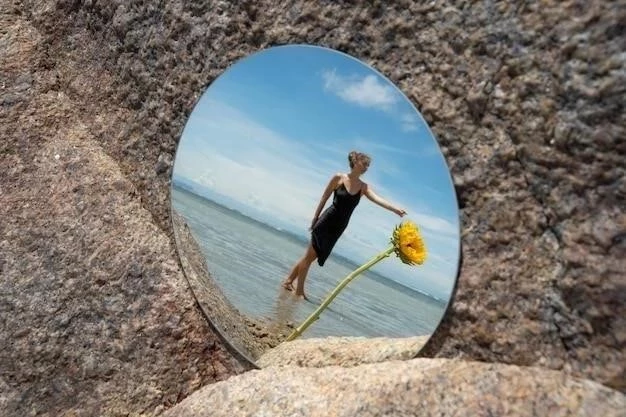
[526,101]
[419,387]
[96,318]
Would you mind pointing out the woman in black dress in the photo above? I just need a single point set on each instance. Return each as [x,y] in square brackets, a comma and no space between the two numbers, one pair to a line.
[328,227]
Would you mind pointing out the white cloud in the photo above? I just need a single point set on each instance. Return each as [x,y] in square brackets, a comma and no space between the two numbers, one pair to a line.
[409,122]
[372,91]
[367,91]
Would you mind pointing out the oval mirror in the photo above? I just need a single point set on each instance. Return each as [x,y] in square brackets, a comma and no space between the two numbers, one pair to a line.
[310,200]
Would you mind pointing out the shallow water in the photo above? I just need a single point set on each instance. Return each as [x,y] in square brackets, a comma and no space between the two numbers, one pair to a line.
[249,261]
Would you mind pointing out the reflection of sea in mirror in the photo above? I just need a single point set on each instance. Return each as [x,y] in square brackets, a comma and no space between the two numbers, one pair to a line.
[248,336]
[254,159]
[374,307]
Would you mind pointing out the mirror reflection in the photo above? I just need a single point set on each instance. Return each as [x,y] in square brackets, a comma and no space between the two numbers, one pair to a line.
[310,199]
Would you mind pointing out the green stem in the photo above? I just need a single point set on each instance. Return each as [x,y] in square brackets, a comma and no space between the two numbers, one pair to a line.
[337,290]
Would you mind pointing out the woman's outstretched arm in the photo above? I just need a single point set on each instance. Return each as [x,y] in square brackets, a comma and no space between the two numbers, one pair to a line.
[332,184]
[369,193]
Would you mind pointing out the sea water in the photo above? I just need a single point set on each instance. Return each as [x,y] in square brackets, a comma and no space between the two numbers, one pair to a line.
[250,260]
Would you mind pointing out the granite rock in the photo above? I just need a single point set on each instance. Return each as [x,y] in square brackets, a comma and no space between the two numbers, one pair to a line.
[419,387]
[526,101]
[96,317]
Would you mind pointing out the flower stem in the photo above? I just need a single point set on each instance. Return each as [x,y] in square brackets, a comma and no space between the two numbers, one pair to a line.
[337,290]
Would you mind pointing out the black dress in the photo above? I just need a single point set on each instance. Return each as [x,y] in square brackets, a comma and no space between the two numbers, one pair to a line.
[332,222]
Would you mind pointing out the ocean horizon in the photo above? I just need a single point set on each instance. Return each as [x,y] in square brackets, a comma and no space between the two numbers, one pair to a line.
[195,189]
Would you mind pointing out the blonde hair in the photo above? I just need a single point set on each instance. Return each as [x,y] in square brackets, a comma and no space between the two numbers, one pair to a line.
[355,156]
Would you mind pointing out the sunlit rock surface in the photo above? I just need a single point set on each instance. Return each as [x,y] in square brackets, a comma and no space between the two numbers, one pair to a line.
[341,351]
[419,387]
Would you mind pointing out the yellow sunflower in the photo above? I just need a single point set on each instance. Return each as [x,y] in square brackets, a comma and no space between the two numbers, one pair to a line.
[408,244]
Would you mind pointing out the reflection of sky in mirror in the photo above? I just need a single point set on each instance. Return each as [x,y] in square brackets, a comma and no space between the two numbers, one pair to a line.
[274,128]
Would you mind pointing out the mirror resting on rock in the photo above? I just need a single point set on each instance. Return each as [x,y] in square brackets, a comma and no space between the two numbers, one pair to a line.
[311,206]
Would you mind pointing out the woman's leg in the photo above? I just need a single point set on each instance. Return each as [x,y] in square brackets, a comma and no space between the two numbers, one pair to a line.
[287,284]
[303,269]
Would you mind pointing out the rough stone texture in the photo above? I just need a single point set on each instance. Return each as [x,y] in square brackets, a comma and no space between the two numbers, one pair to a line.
[341,351]
[420,387]
[96,317]
[537,152]
[526,100]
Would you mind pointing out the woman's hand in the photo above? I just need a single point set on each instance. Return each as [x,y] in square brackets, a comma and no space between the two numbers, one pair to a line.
[399,212]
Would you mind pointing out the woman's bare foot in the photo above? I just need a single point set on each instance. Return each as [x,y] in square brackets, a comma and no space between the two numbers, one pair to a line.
[287,286]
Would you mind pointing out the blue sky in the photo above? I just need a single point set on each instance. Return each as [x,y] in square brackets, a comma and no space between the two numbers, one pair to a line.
[269,133]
